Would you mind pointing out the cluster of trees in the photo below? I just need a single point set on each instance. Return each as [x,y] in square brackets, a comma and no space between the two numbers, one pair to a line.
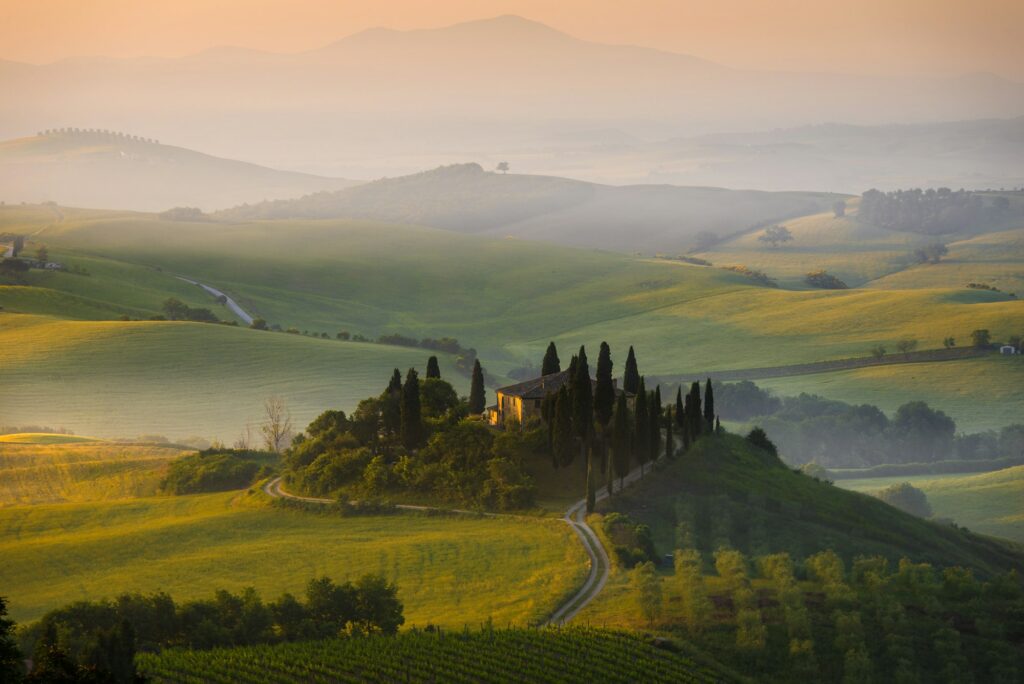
[753,274]
[589,418]
[183,214]
[96,641]
[817,620]
[930,254]
[825,281]
[631,542]
[176,310]
[214,470]
[417,437]
[95,133]
[907,498]
[775,236]
[933,212]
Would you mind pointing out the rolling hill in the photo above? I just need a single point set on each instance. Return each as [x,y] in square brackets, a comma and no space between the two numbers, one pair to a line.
[105,169]
[465,198]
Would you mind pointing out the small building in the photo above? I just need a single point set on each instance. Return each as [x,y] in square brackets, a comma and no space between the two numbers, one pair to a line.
[523,400]
[1007,350]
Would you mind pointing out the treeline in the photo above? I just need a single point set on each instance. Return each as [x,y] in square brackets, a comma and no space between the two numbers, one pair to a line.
[417,438]
[933,212]
[834,434]
[96,641]
[816,619]
[216,470]
[95,133]
[176,310]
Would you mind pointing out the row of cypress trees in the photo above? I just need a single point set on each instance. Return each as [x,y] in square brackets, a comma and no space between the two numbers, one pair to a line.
[589,419]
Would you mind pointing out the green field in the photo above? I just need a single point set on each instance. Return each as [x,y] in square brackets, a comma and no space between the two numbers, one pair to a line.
[989,503]
[57,468]
[450,570]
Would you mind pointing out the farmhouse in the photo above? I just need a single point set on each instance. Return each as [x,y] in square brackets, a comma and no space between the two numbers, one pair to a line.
[1007,350]
[522,401]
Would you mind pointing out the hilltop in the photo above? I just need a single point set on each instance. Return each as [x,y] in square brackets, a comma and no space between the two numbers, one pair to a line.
[467,199]
[94,168]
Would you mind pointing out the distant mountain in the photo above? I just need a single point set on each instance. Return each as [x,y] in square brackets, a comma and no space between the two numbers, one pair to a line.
[465,198]
[106,169]
[384,100]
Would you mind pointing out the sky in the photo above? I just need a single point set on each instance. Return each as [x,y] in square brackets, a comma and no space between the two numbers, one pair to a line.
[852,36]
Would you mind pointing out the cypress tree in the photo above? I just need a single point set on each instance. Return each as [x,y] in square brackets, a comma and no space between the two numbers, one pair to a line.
[583,414]
[547,411]
[391,404]
[718,426]
[642,421]
[433,369]
[670,446]
[654,415]
[709,405]
[631,378]
[412,419]
[564,446]
[680,414]
[550,364]
[604,392]
[622,439]
[477,394]
[696,416]
[687,434]
[395,385]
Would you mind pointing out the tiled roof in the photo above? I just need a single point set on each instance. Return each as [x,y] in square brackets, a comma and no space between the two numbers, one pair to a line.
[538,388]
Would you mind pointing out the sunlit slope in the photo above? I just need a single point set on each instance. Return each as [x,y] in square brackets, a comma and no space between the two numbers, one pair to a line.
[508,298]
[115,378]
[34,469]
[989,503]
[980,394]
[450,571]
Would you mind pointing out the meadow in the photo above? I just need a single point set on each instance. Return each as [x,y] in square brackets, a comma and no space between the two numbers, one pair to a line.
[450,570]
[989,503]
[38,469]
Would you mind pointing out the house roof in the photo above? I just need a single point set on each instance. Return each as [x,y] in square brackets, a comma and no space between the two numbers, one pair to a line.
[538,388]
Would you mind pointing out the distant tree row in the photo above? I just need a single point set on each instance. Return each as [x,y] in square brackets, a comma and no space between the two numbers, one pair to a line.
[176,310]
[96,133]
[933,212]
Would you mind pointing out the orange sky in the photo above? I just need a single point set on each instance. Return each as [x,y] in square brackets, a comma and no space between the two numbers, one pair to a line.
[905,36]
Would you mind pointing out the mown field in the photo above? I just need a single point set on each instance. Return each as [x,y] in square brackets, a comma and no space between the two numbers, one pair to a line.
[450,570]
[60,468]
[989,503]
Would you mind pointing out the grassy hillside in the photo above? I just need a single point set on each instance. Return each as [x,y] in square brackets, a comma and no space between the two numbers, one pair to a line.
[988,503]
[467,199]
[980,394]
[115,378]
[60,468]
[450,571]
[503,655]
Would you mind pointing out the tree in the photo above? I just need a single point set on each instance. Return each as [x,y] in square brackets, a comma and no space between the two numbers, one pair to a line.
[709,405]
[477,393]
[583,418]
[878,352]
[277,426]
[759,438]
[907,498]
[697,607]
[12,667]
[412,415]
[258,324]
[42,254]
[503,167]
[906,346]
[647,586]
[839,208]
[551,363]
[604,392]
[670,446]
[932,253]
[641,421]
[433,369]
[631,377]
[437,398]
[563,445]
[622,439]
[695,418]
[776,235]
[654,413]
[949,342]
[981,338]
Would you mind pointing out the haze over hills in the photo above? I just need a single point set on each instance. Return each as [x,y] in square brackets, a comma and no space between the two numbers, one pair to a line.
[109,169]
[383,102]
[465,198]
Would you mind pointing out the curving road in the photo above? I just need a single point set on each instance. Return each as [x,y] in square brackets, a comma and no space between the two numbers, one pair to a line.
[228,301]
[575,518]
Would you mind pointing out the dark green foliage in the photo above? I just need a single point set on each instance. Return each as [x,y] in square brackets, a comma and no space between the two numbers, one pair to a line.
[641,422]
[11,666]
[709,404]
[395,384]
[824,280]
[932,212]
[654,417]
[604,392]
[582,398]
[744,400]
[670,444]
[176,310]
[907,498]
[477,393]
[759,439]
[437,398]
[981,338]
[631,377]
[631,542]
[215,470]
[563,444]
[411,413]
[680,417]
[433,369]
[694,413]
[622,438]
[551,363]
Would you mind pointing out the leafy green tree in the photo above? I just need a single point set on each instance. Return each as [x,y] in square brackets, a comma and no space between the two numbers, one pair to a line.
[258,324]
[878,352]
[731,566]
[981,338]
[377,607]
[759,438]
[551,363]
[776,235]
[412,414]
[477,394]
[631,376]
[433,369]
[647,588]
[697,606]
[622,439]
[907,498]
[437,397]
[12,668]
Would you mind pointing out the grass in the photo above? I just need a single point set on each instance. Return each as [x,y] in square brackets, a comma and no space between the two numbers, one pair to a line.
[60,468]
[980,394]
[120,379]
[989,503]
[450,570]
